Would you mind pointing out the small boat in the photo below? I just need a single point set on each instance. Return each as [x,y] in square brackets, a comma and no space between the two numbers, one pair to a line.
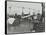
[10,20]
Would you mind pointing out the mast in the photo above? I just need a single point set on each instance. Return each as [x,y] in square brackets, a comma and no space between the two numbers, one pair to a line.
[22,11]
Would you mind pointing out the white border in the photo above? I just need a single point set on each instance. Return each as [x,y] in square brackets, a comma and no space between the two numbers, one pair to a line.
[2,17]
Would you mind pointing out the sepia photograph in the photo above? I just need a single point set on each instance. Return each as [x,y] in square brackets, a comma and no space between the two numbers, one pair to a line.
[25,17]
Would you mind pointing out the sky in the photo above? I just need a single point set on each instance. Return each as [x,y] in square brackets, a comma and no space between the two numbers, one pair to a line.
[17,7]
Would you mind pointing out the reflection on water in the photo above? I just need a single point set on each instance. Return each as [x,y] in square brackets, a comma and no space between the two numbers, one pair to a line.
[21,28]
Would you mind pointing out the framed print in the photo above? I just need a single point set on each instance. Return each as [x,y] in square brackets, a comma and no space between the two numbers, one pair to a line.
[24,17]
